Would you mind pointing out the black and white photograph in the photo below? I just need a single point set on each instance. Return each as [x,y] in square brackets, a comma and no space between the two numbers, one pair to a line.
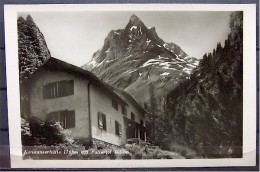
[131,84]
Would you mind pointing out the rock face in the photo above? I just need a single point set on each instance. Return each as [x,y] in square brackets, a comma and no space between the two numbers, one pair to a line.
[206,111]
[135,57]
[32,48]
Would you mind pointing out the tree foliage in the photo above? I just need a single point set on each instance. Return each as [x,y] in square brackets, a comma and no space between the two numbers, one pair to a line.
[32,48]
[206,110]
[36,132]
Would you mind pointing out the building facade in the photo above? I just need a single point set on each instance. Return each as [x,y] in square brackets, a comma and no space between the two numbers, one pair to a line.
[91,109]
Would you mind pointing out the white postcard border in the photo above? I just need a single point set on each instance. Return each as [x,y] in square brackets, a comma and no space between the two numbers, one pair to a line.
[249,86]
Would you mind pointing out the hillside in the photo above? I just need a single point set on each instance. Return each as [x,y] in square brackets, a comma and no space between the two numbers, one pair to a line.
[135,57]
[206,111]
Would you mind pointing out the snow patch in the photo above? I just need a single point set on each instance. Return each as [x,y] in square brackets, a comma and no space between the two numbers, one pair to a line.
[129,71]
[150,62]
[180,59]
[133,27]
[186,70]
[116,33]
[196,63]
[165,73]
[110,60]
[93,63]
[166,67]
[128,56]
[161,57]
[167,64]
[191,65]
[174,69]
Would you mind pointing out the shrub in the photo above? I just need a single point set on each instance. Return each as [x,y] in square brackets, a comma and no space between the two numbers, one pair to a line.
[36,132]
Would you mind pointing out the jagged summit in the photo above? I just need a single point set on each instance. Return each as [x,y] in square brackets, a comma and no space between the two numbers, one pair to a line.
[135,57]
[135,19]
[134,22]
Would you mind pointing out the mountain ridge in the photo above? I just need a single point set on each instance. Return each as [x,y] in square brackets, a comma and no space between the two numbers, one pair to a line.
[136,57]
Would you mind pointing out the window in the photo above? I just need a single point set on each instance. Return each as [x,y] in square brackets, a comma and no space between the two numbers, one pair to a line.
[58,89]
[142,122]
[65,117]
[102,124]
[114,104]
[124,111]
[118,128]
[132,116]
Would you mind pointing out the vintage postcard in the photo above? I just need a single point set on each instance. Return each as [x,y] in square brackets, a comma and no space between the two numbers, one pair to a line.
[93,86]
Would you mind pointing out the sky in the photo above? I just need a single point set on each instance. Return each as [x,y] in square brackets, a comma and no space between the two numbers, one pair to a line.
[74,36]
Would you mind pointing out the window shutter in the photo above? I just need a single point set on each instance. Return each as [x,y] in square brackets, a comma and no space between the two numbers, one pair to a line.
[49,91]
[114,104]
[52,116]
[100,122]
[104,121]
[70,87]
[120,129]
[51,88]
[132,116]
[55,90]
[70,119]
[116,128]
[62,88]
[63,118]
[124,111]
[58,89]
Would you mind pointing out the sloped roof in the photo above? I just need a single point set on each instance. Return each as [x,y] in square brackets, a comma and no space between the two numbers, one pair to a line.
[54,64]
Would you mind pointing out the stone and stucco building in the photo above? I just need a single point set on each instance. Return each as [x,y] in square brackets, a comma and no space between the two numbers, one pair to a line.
[91,109]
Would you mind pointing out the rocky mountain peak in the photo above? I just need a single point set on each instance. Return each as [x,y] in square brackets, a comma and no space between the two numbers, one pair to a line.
[135,57]
[134,19]
[134,23]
